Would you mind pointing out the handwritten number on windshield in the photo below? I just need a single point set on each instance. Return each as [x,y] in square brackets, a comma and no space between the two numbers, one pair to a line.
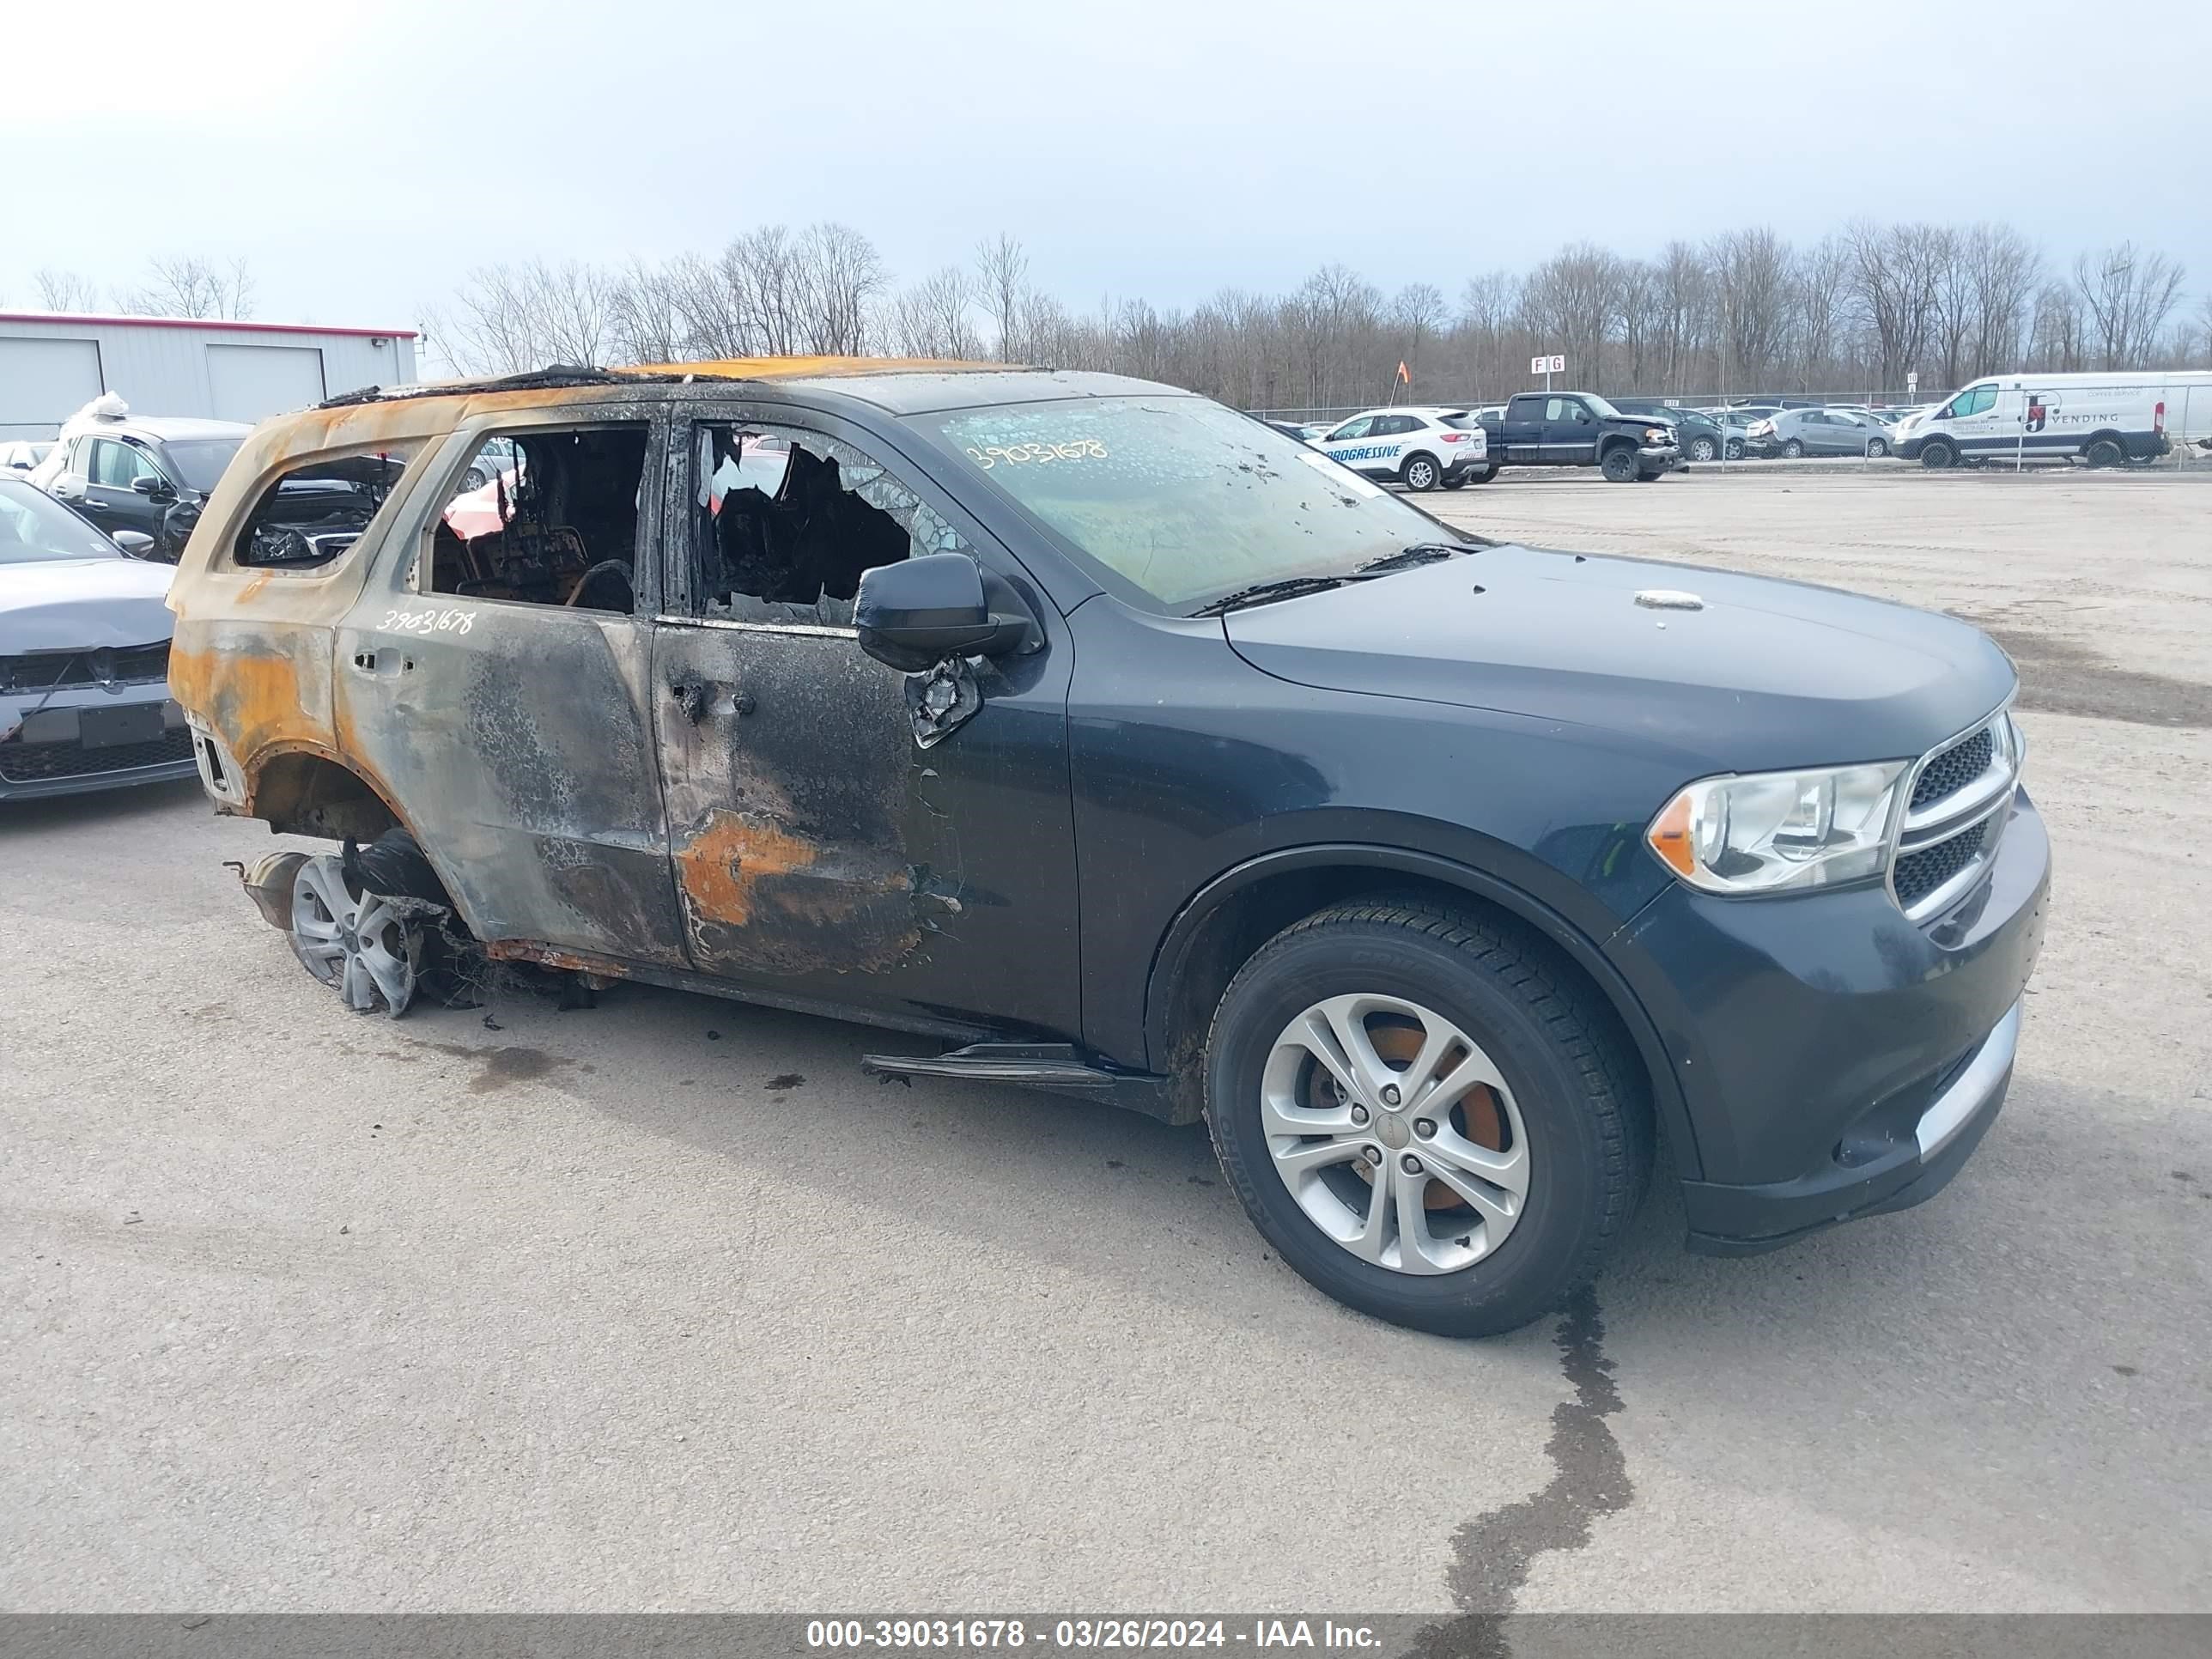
[1077,449]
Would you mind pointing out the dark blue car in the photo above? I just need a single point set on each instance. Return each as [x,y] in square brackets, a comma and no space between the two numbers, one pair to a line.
[1117,744]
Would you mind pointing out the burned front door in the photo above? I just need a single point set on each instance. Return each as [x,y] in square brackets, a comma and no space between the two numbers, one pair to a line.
[836,841]
[494,677]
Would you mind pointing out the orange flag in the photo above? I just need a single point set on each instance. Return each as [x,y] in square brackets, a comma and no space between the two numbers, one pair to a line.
[1404,374]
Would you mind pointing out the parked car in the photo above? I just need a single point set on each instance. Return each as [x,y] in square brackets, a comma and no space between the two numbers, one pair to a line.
[85,657]
[1697,435]
[1420,448]
[1795,432]
[497,458]
[1580,429]
[1110,744]
[23,455]
[1290,430]
[147,475]
[2104,419]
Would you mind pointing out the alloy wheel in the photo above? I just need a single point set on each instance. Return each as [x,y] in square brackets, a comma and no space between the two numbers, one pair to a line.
[357,944]
[1395,1133]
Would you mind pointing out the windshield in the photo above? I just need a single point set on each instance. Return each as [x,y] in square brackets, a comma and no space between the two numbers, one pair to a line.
[35,526]
[1178,497]
[201,460]
[1603,410]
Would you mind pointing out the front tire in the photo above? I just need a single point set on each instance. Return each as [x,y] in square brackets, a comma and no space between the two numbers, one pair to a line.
[1704,449]
[1475,1216]
[1793,450]
[1936,455]
[1619,464]
[1419,474]
[1876,449]
[1735,449]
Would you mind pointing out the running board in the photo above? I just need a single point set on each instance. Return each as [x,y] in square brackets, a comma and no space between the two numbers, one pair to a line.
[1041,1064]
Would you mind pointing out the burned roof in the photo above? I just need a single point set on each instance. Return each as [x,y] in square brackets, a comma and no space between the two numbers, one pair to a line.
[904,386]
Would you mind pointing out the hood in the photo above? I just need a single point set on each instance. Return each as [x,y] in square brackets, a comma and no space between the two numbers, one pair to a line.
[60,605]
[1767,675]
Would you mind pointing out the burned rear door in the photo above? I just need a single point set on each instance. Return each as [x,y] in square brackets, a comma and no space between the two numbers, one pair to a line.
[494,677]
[843,834]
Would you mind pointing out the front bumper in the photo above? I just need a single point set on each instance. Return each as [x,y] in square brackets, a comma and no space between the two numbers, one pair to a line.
[1837,1059]
[43,752]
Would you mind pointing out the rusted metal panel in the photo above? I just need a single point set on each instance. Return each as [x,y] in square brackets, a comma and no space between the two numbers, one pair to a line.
[787,822]
[520,754]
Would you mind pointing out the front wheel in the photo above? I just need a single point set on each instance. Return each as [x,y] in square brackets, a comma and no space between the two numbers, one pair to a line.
[1936,455]
[1792,450]
[1876,449]
[1420,474]
[1735,449]
[1619,464]
[1704,449]
[1425,1118]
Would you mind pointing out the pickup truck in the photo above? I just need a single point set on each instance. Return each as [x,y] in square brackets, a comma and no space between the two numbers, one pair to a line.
[1580,429]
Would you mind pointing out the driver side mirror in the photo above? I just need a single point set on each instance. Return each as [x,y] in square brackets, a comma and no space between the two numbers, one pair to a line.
[135,543]
[153,488]
[923,611]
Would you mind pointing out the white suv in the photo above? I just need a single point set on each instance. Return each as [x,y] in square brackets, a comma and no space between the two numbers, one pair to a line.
[1420,448]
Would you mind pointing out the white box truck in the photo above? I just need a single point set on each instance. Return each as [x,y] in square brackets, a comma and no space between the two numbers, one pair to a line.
[2106,420]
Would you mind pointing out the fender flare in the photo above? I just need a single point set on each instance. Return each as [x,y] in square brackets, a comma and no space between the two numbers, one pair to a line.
[1585,952]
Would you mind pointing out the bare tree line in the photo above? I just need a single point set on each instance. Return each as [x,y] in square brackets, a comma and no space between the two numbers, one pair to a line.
[1857,311]
[176,285]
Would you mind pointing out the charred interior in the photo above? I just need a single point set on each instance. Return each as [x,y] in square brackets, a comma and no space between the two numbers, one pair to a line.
[312,513]
[781,532]
[554,523]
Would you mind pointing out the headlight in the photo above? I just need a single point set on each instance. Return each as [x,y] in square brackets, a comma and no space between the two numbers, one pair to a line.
[1774,830]
[1760,429]
[1658,434]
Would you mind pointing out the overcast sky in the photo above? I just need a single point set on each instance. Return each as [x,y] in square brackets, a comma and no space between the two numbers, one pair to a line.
[362,157]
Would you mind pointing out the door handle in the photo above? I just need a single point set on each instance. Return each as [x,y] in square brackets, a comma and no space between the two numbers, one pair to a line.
[96,505]
[692,697]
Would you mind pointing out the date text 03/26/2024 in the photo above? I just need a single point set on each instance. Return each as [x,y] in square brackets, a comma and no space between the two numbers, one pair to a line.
[1085,1634]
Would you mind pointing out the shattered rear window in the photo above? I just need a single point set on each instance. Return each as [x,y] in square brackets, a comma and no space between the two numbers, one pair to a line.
[1180,497]
[316,511]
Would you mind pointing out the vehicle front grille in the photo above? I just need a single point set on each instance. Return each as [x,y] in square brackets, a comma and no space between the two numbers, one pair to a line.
[1961,799]
[41,763]
[1918,874]
[122,664]
[1955,768]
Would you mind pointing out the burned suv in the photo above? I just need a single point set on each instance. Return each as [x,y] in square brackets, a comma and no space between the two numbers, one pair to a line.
[1104,740]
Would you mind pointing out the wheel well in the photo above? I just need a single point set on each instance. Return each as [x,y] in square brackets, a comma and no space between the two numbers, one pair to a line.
[300,794]
[2096,438]
[1615,441]
[1225,937]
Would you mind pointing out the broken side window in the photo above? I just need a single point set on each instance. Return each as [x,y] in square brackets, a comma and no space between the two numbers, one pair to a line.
[784,521]
[544,517]
[313,513]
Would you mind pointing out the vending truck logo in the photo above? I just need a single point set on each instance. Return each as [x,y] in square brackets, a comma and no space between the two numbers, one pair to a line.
[2041,406]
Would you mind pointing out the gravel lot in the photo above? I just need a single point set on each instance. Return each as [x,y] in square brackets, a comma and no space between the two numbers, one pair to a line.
[662,1304]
